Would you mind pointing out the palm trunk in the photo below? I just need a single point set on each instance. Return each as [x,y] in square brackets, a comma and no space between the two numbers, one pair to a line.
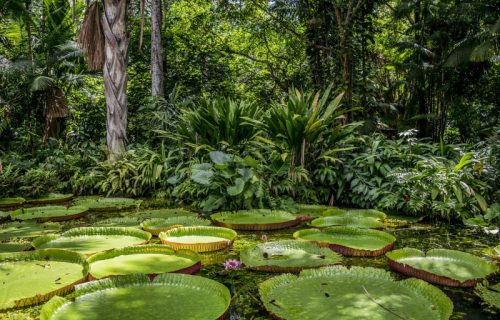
[114,23]
[156,49]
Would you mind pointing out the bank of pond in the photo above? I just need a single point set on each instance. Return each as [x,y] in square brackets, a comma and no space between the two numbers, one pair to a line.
[109,258]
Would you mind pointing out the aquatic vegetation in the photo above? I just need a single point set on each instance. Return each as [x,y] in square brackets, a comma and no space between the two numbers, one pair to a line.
[157,225]
[30,278]
[199,238]
[28,229]
[50,198]
[8,203]
[350,241]
[232,264]
[357,293]
[288,256]
[49,213]
[146,259]
[441,266]
[90,240]
[189,297]
[14,247]
[257,219]
[490,294]
[164,213]
[347,221]
[359,213]
[97,204]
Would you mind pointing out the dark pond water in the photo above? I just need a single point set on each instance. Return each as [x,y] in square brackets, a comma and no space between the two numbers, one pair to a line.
[243,283]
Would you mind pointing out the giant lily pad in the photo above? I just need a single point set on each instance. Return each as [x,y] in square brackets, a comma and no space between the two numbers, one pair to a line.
[313,210]
[164,213]
[199,238]
[107,204]
[350,241]
[49,213]
[181,296]
[50,198]
[93,239]
[157,225]
[288,256]
[14,247]
[359,213]
[29,278]
[21,230]
[348,221]
[441,266]
[490,294]
[11,202]
[259,219]
[147,259]
[119,222]
[352,294]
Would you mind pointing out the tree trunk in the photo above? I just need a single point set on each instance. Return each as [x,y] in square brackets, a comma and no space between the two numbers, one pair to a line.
[114,22]
[156,49]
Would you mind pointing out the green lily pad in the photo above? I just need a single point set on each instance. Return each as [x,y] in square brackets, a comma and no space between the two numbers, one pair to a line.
[441,266]
[313,210]
[360,213]
[490,294]
[91,240]
[348,221]
[131,297]
[29,278]
[352,294]
[14,247]
[288,256]
[51,198]
[120,222]
[157,225]
[11,202]
[107,204]
[4,214]
[49,213]
[164,213]
[350,241]
[21,230]
[146,259]
[258,219]
[199,238]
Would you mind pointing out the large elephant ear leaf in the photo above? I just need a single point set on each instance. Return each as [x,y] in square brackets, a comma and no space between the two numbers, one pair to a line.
[219,157]
[202,173]
[239,185]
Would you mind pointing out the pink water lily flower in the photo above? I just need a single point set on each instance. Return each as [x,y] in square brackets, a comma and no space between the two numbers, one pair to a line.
[232,264]
[263,237]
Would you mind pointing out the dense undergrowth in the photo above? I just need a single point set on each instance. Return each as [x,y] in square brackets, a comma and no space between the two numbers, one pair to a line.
[221,154]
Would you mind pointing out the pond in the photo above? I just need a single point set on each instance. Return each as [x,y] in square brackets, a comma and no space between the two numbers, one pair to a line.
[243,283]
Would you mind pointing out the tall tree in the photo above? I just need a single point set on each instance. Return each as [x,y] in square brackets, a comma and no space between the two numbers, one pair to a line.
[156,49]
[105,42]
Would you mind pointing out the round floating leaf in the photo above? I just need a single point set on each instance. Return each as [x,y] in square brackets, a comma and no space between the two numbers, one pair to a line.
[258,219]
[350,241]
[49,213]
[352,294]
[313,210]
[441,266]
[4,215]
[22,230]
[146,259]
[288,256]
[93,239]
[11,202]
[29,278]
[157,225]
[348,221]
[14,247]
[120,222]
[107,204]
[51,198]
[164,213]
[184,297]
[490,294]
[199,238]
[360,213]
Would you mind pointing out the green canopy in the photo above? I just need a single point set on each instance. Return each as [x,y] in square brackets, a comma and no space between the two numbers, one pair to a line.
[350,241]
[441,266]
[288,256]
[146,259]
[91,240]
[199,238]
[49,213]
[29,278]
[132,297]
[352,294]
[257,219]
